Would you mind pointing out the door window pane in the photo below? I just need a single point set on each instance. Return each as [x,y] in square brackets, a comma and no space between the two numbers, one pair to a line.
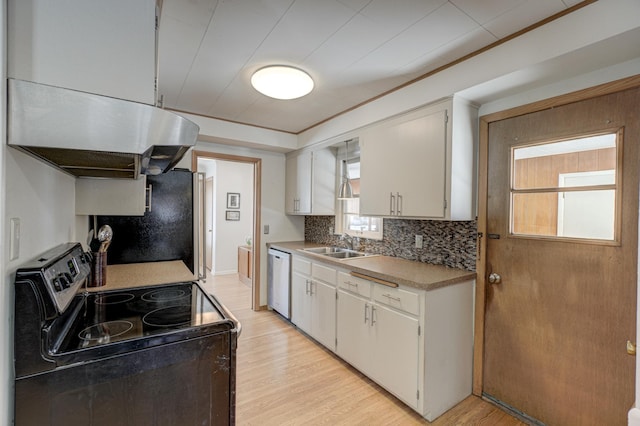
[566,189]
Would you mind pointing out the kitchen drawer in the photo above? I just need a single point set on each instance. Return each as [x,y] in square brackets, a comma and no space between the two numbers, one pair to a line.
[301,265]
[354,284]
[397,298]
[323,273]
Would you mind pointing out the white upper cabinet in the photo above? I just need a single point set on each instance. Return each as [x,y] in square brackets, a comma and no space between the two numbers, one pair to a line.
[421,164]
[112,197]
[298,183]
[96,46]
[310,183]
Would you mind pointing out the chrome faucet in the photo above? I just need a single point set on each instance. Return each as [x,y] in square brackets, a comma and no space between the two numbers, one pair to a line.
[350,240]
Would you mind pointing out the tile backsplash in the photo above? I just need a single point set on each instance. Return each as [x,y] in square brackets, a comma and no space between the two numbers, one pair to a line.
[451,244]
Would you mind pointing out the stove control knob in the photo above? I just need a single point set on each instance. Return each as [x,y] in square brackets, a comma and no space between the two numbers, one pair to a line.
[63,281]
[57,284]
[68,278]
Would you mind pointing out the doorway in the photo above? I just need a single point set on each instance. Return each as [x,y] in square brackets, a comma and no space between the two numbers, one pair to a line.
[232,212]
[554,311]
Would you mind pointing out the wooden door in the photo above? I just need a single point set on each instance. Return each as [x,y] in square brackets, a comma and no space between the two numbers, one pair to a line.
[557,323]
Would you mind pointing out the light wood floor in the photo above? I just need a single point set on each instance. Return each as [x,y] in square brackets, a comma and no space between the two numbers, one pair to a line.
[285,378]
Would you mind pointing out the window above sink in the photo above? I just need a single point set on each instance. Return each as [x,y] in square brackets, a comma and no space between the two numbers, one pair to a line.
[348,219]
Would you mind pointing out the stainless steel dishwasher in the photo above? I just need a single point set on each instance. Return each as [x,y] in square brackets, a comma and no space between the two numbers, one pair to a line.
[279,282]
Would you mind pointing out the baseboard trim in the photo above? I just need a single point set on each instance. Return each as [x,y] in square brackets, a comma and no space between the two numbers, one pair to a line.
[515,413]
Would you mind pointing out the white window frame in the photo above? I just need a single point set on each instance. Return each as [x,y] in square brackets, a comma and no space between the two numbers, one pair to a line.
[341,215]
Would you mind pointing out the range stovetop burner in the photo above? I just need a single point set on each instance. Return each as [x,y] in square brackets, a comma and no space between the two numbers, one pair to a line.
[166,295]
[104,332]
[170,316]
[132,314]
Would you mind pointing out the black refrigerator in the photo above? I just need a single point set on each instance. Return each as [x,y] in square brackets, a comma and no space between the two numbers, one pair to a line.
[169,228]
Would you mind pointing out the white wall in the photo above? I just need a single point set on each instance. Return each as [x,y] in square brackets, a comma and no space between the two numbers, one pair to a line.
[6,294]
[237,178]
[43,198]
[281,226]
[28,188]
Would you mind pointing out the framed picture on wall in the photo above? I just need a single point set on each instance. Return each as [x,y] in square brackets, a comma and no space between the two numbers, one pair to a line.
[233,215]
[233,200]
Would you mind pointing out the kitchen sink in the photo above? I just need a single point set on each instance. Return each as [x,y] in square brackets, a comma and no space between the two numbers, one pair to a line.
[337,252]
[345,254]
[325,250]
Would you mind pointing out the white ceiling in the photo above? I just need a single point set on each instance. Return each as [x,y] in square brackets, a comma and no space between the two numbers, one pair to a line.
[354,50]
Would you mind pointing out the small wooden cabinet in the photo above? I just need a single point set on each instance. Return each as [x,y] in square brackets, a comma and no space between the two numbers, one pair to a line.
[310,183]
[244,264]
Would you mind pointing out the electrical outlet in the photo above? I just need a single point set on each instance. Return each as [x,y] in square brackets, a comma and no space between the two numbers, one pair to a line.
[418,241]
[330,230]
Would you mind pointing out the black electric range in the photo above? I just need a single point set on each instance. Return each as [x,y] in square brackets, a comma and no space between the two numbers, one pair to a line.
[149,355]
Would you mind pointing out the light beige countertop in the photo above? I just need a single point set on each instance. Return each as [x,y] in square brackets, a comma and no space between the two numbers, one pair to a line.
[401,271]
[145,274]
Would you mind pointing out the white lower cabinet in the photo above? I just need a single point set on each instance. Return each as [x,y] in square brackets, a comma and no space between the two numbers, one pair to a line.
[382,343]
[313,300]
[396,349]
[416,344]
[354,331]
[301,301]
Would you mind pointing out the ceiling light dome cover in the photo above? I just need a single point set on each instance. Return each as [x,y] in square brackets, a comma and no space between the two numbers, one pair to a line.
[282,82]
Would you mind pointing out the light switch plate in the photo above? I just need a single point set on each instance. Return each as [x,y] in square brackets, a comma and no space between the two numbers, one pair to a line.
[419,241]
[14,242]
[266,229]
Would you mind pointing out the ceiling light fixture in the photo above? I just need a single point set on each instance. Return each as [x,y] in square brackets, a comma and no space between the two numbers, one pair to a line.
[282,82]
[346,191]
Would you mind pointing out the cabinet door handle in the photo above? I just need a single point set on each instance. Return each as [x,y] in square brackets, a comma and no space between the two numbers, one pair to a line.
[399,205]
[373,315]
[350,284]
[392,202]
[311,284]
[390,297]
[149,191]
[366,313]
[306,286]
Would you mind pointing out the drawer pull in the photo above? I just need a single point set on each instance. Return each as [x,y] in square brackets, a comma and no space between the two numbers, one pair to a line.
[376,280]
[350,284]
[390,297]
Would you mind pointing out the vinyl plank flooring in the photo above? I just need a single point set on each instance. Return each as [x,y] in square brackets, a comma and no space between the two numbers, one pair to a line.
[286,378]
